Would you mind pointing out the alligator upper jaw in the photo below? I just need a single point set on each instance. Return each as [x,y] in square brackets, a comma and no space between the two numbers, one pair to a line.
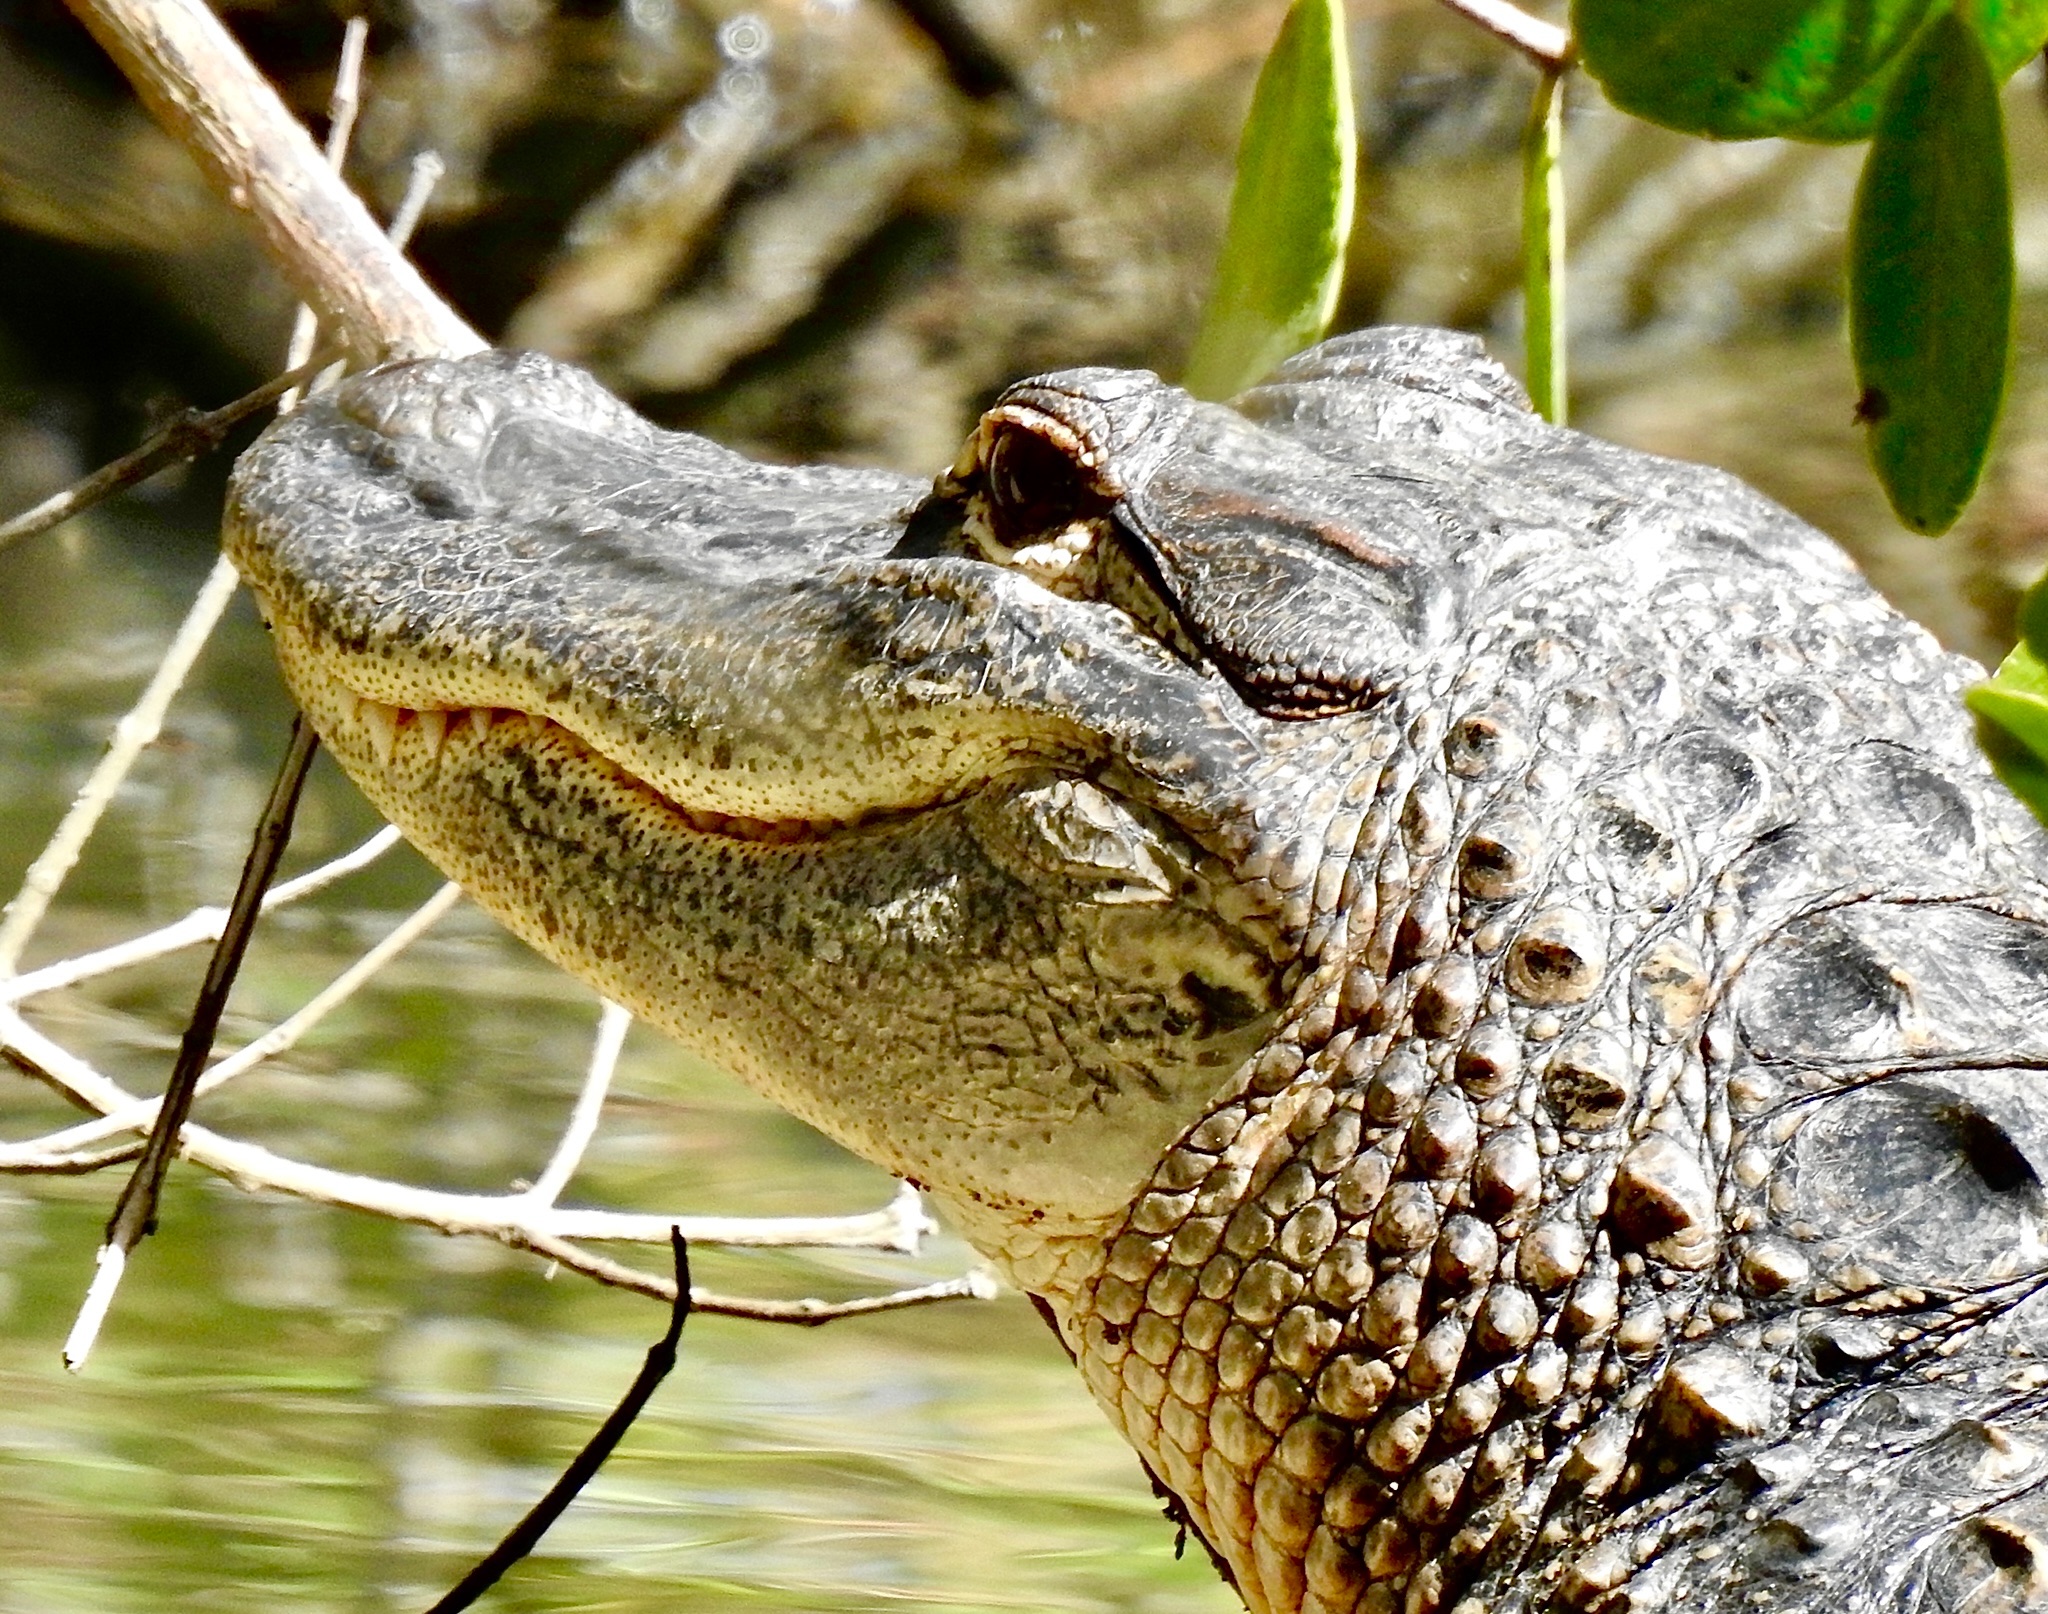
[747,718]
[499,535]
[390,721]
[406,744]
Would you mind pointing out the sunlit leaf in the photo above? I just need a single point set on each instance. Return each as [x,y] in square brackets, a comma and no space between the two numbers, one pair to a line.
[1737,69]
[2013,32]
[2013,703]
[1931,278]
[1290,211]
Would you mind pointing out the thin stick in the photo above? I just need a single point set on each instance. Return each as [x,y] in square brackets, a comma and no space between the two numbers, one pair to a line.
[78,1163]
[427,170]
[612,1024]
[900,1225]
[1543,270]
[188,436]
[200,925]
[134,1217]
[525,1535]
[199,86]
[135,731]
[809,1312]
[1545,44]
[342,105]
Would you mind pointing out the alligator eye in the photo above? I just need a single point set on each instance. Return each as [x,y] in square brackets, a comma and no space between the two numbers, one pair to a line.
[1035,489]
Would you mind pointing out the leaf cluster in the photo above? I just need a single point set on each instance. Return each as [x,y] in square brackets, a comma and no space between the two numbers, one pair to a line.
[1930,264]
[1930,246]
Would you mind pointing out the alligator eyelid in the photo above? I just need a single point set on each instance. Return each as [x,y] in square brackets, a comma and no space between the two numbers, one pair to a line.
[1145,555]
[1342,540]
[1146,559]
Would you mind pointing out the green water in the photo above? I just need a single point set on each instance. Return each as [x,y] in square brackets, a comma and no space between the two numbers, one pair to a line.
[301,1407]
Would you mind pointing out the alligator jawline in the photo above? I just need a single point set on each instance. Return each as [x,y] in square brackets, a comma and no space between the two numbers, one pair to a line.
[385,726]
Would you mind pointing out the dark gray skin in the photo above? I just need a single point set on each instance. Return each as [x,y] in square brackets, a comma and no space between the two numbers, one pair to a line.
[1479,976]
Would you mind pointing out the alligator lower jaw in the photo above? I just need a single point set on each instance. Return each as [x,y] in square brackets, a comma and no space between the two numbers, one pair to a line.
[423,739]
[398,748]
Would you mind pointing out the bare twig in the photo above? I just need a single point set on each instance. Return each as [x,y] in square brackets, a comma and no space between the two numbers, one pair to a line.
[1544,43]
[974,1285]
[198,926]
[136,730]
[427,170]
[199,86]
[187,437]
[342,106]
[77,1163]
[525,1535]
[807,1313]
[134,1217]
[509,1218]
[613,1023]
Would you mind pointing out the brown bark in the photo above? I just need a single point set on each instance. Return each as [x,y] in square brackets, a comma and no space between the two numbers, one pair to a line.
[198,84]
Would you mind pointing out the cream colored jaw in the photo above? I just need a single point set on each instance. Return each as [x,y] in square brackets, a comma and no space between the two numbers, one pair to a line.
[418,740]
[811,777]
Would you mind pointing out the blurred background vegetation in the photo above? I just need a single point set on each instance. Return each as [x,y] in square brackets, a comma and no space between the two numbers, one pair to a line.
[793,225]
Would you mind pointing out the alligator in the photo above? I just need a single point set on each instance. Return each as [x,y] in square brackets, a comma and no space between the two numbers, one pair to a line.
[1478,977]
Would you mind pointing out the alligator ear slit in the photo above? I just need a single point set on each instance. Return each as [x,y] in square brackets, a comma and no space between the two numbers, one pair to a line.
[1296,698]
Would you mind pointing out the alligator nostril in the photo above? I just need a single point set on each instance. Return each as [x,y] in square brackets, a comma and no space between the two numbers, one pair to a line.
[1991,1151]
[2006,1544]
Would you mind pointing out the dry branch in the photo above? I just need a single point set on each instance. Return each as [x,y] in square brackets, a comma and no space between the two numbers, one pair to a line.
[199,86]
[1544,43]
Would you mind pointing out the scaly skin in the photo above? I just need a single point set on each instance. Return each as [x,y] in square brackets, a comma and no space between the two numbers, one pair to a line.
[1479,975]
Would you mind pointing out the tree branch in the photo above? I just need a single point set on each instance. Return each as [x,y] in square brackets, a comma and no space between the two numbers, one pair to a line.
[509,1218]
[187,437]
[1545,44]
[199,86]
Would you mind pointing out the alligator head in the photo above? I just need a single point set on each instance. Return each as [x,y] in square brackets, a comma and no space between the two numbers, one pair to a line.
[1478,974]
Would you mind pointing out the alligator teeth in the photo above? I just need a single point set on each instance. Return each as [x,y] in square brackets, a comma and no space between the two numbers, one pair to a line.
[380,722]
[433,726]
[479,721]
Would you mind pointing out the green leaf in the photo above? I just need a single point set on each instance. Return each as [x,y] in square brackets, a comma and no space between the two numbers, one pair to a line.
[2013,704]
[1290,210]
[1737,69]
[2013,32]
[1931,278]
